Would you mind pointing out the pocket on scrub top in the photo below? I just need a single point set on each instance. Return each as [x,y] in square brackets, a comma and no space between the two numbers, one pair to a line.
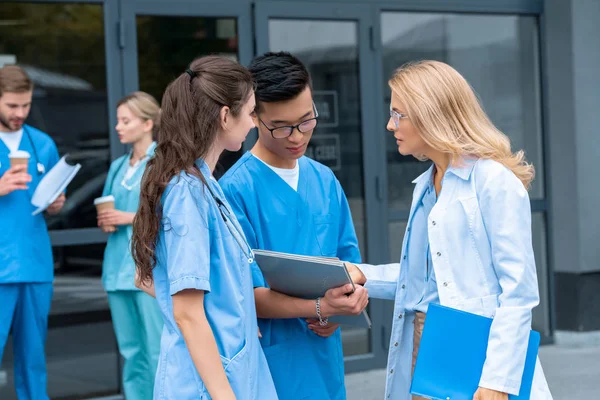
[292,372]
[238,371]
[326,231]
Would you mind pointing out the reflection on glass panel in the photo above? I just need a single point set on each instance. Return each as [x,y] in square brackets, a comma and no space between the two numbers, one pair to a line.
[167,45]
[356,341]
[61,47]
[329,49]
[500,62]
[77,288]
[82,363]
[541,313]
[396,231]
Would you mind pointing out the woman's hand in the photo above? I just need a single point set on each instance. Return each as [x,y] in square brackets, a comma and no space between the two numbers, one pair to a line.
[356,274]
[190,317]
[489,394]
[109,218]
[323,331]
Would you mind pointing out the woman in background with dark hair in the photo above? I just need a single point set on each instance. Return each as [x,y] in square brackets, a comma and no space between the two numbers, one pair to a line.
[188,244]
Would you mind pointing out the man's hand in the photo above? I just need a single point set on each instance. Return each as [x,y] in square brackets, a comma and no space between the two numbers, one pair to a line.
[58,204]
[339,301]
[489,394]
[16,178]
[110,218]
[356,274]
[323,331]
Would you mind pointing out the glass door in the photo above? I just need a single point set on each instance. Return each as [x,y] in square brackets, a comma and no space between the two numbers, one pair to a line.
[63,47]
[508,47]
[161,39]
[336,52]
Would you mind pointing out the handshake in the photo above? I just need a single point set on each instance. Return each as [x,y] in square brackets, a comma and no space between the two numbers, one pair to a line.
[341,300]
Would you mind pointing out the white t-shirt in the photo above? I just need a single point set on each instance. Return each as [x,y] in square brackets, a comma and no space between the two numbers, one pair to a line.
[12,140]
[290,176]
[131,169]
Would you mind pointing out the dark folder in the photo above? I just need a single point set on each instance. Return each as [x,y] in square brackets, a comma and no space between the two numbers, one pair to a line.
[307,277]
[452,353]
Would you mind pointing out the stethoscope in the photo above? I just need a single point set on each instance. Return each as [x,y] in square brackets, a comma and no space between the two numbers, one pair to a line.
[237,235]
[41,169]
[124,180]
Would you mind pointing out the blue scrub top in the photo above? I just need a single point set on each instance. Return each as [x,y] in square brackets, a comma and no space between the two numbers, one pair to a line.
[25,249]
[118,268]
[315,221]
[196,250]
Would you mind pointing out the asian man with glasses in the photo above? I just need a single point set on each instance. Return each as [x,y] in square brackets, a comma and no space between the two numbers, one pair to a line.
[287,202]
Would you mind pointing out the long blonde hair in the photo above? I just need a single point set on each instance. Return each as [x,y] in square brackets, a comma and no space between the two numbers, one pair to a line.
[143,106]
[446,111]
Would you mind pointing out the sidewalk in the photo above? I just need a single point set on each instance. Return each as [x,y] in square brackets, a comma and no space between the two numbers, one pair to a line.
[83,360]
[572,368]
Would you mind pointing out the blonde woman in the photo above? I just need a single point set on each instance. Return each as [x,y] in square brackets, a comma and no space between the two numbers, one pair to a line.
[468,239]
[137,320]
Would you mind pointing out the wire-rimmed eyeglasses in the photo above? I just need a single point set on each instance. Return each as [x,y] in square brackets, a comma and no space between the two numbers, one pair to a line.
[396,116]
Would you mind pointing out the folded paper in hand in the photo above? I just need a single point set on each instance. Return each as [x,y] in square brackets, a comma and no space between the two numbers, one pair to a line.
[53,184]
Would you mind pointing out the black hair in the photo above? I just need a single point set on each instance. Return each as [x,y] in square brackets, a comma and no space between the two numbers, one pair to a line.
[279,77]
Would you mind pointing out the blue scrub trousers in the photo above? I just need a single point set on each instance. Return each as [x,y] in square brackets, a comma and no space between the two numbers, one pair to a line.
[138,324]
[24,309]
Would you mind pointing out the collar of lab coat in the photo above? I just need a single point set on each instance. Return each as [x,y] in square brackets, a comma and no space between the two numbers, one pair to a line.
[461,168]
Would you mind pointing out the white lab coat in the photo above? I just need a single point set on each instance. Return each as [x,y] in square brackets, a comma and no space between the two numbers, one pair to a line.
[480,240]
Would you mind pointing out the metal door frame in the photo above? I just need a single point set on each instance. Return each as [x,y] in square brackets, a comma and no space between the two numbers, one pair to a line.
[110,8]
[177,8]
[501,7]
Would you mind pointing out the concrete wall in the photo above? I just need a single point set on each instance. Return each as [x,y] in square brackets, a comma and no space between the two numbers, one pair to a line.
[572,64]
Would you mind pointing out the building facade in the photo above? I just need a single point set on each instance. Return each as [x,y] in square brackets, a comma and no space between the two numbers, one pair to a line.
[533,63]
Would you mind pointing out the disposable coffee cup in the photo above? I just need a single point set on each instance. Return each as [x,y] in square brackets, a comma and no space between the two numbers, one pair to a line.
[19,157]
[105,203]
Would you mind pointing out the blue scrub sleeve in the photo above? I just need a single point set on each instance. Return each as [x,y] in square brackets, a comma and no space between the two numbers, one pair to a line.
[348,249]
[237,206]
[186,236]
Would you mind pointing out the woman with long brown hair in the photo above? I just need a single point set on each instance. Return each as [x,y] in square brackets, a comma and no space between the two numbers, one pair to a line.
[188,244]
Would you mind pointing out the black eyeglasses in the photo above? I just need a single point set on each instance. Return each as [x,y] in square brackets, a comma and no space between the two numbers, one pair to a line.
[281,132]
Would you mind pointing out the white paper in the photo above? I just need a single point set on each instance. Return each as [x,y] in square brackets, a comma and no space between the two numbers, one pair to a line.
[53,184]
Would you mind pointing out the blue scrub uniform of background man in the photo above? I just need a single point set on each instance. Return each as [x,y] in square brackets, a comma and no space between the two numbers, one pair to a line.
[287,202]
[26,265]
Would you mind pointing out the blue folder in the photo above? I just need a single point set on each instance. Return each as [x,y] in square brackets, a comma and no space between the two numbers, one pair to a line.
[452,353]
